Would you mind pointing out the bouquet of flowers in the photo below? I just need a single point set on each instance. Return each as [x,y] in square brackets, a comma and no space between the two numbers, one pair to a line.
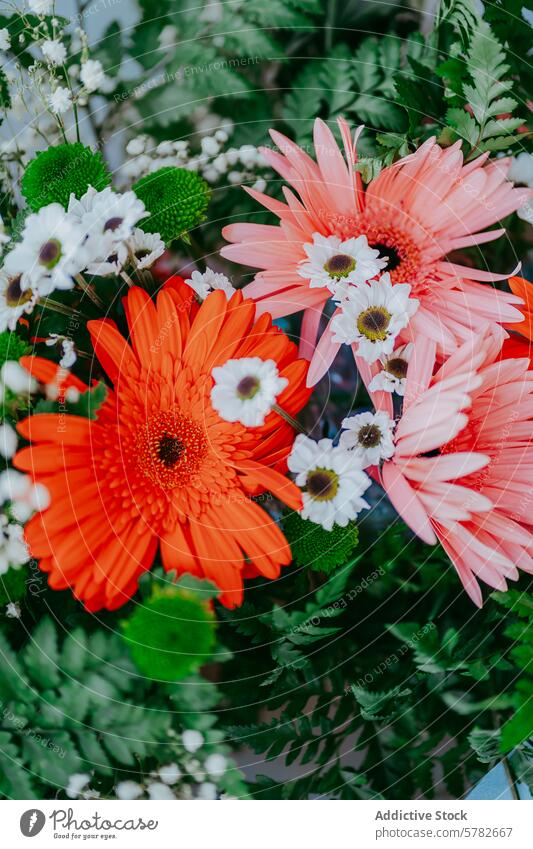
[267,447]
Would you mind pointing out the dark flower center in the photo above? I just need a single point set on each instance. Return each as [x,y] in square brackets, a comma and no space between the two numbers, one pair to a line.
[50,253]
[113,223]
[322,484]
[397,366]
[373,323]
[142,253]
[248,387]
[169,450]
[15,296]
[339,265]
[369,436]
[389,253]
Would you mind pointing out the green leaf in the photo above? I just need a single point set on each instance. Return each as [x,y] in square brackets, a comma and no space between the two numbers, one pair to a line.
[74,652]
[110,49]
[463,124]
[366,71]
[86,406]
[486,744]
[41,655]
[15,779]
[379,706]
[12,682]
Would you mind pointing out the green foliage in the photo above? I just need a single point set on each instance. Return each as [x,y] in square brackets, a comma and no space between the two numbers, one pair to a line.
[317,549]
[87,404]
[396,656]
[487,94]
[357,85]
[519,728]
[12,585]
[170,635]
[12,347]
[59,171]
[176,200]
[74,702]
[69,705]
[462,15]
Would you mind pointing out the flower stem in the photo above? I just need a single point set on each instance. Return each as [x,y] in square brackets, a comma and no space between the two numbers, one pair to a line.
[511,779]
[125,276]
[56,306]
[89,291]
[288,418]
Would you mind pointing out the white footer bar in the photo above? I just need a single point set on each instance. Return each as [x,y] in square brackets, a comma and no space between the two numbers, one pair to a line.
[262,825]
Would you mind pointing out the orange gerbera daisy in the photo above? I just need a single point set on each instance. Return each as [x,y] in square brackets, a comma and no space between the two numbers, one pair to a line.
[522,345]
[158,465]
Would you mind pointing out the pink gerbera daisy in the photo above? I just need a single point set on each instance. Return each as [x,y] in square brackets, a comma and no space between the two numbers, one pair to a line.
[461,470]
[414,214]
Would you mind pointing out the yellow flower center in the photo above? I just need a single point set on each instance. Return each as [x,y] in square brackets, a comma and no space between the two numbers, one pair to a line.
[340,265]
[322,484]
[374,323]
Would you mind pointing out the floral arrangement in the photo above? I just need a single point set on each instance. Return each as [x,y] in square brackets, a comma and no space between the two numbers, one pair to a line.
[266,407]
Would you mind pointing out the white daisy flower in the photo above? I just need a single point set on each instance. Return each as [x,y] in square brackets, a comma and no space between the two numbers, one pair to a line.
[521,169]
[60,100]
[14,301]
[25,496]
[54,52]
[112,263]
[68,348]
[192,740]
[207,791]
[526,213]
[107,216]
[216,765]
[128,790]
[136,145]
[4,238]
[145,248]
[371,316]
[77,784]
[168,35]
[368,436]
[393,375]
[331,261]
[8,440]
[332,481]
[170,773]
[208,281]
[13,549]
[41,7]
[92,75]
[13,610]
[69,356]
[15,377]
[159,792]
[246,389]
[5,39]
[51,253]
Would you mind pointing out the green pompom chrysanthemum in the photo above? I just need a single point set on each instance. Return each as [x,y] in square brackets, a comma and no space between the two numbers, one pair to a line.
[12,347]
[176,200]
[58,172]
[316,548]
[170,635]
